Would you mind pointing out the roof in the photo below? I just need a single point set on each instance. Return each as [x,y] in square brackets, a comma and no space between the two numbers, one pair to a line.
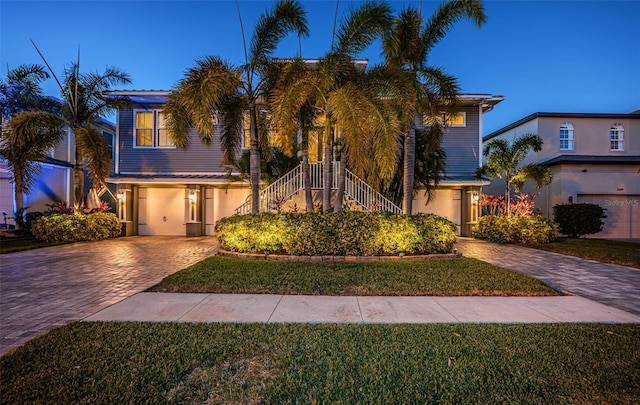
[487,101]
[531,117]
[591,159]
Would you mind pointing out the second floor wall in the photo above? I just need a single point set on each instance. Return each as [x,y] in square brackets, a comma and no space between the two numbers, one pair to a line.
[577,134]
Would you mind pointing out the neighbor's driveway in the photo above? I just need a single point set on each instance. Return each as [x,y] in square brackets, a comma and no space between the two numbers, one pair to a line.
[609,284]
[43,288]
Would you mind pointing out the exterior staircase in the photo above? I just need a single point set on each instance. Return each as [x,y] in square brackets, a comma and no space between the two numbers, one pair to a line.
[356,190]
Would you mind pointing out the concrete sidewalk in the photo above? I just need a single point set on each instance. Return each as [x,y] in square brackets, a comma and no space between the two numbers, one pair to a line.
[361,309]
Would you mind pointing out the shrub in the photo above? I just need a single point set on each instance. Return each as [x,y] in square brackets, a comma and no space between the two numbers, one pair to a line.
[354,233]
[75,228]
[514,229]
[30,218]
[576,220]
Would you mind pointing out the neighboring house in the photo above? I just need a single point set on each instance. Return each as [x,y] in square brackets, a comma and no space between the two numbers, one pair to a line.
[595,158]
[164,190]
[54,183]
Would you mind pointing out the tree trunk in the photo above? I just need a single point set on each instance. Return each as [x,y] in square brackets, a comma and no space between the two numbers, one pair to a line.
[409,168]
[507,198]
[342,176]
[19,197]
[306,180]
[254,159]
[327,168]
[78,182]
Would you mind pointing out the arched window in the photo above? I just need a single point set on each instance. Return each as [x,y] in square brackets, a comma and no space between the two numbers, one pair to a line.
[566,136]
[616,137]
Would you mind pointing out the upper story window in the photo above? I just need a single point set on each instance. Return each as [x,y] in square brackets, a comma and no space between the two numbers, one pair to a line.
[566,136]
[453,120]
[151,130]
[616,137]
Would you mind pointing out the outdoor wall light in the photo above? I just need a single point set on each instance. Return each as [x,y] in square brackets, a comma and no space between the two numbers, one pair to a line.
[192,196]
[121,196]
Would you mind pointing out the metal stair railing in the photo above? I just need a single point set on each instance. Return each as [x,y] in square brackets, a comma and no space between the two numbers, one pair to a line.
[292,182]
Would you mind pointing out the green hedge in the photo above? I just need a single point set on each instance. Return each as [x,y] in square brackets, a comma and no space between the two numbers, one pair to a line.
[353,233]
[75,228]
[576,220]
[514,229]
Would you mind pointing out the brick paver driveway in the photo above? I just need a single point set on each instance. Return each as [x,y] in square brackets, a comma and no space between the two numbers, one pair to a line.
[609,284]
[43,288]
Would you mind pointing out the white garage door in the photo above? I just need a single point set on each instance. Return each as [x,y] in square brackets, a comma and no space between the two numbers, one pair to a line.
[623,214]
[162,211]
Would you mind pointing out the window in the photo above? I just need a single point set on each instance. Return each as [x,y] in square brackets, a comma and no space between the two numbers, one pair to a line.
[566,136]
[616,137]
[150,130]
[453,120]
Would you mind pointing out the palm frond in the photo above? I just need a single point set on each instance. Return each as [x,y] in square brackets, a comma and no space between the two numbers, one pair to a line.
[363,24]
[232,109]
[96,152]
[447,14]
[402,45]
[287,16]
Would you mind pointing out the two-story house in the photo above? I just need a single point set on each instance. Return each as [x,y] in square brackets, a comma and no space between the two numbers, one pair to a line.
[164,190]
[54,182]
[595,158]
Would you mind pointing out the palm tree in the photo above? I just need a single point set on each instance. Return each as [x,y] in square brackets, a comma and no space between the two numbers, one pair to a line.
[215,85]
[503,160]
[423,91]
[329,95]
[84,102]
[31,126]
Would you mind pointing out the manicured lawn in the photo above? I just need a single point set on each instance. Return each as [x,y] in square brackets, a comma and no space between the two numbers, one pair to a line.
[608,251]
[9,245]
[463,276]
[108,363]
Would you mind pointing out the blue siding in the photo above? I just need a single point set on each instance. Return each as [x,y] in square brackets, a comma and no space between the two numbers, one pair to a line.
[196,159]
[461,145]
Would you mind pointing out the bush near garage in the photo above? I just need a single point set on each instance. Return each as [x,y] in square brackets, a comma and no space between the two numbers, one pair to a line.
[518,225]
[76,227]
[514,229]
[577,220]
[343,233]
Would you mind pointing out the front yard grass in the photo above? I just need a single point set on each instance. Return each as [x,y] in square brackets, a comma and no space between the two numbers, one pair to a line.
[109,362]
[464,276]
[603,250]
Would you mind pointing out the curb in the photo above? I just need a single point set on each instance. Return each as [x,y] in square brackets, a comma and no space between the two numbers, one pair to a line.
[293,258]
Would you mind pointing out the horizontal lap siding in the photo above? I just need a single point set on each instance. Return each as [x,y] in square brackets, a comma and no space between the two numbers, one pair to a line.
[461,144]
[197,158]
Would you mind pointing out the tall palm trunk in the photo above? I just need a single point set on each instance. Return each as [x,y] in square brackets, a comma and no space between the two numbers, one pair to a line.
[342,177]
[327,166]
[409,167]
[254,160]
[19,196]
[78,180]
[306,179]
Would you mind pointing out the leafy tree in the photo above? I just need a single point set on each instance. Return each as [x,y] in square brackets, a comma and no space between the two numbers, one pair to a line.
[503,162]
[84,102]
[216,86]
[31,126]
[423,90]
[334,93]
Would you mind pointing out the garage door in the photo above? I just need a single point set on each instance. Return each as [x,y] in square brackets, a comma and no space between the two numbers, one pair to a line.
[162,211]
[623,214]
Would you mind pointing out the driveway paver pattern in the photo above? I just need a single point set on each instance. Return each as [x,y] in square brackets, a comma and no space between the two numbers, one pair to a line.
[609,284]
[43,288]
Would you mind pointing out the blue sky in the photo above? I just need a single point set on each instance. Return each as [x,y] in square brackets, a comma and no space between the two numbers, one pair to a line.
[565,56]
